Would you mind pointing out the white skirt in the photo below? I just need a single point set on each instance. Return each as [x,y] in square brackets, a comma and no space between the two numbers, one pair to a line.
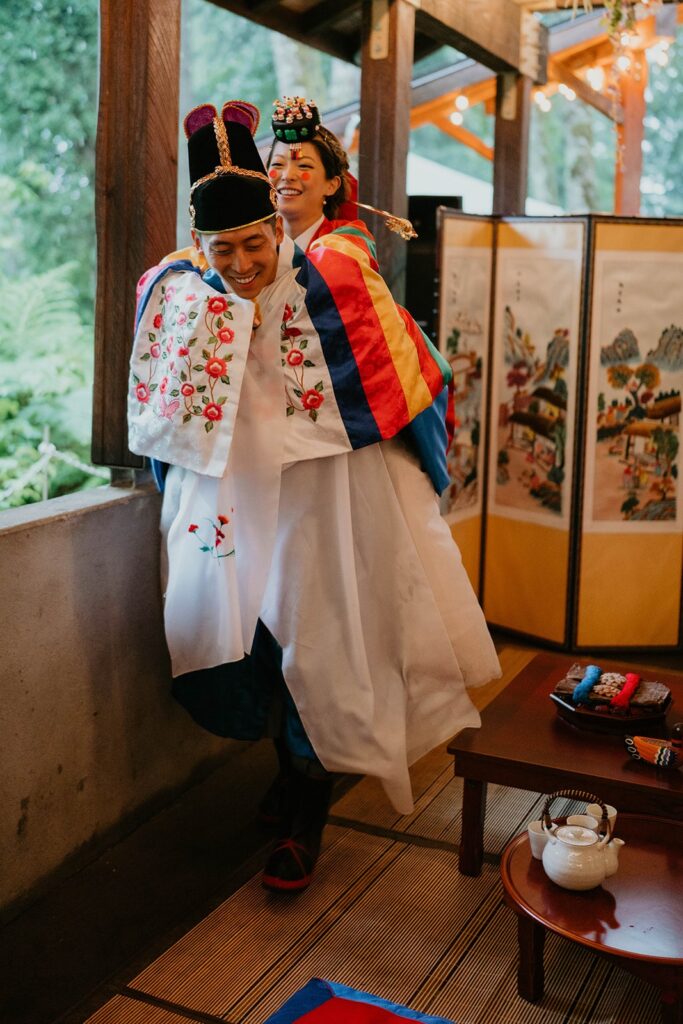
[380,629]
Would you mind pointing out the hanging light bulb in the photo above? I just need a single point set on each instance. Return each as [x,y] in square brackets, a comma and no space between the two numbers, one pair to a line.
[567,92]
[623,62]
[456,117]
[595,78]
[462,102]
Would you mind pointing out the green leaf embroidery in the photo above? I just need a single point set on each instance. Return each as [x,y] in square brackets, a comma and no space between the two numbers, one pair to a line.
[208,426]
[183,376]
[290,410]
[175,393]
[224,379]
[319,386]
[205,399]
[199,367]
[145,356]
[204,546]
[187,417]
[152,337]
[229,315]
[219,322]
[283,348]
[307,362]
[313,414]
[201,388]
[193,315]
[136,379]
[205,354]
[303,343]
[222,400]
[153,387]
[197,410]
[192,341]
[297,392]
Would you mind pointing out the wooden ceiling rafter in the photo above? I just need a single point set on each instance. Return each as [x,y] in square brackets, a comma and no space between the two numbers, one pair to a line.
[465,137]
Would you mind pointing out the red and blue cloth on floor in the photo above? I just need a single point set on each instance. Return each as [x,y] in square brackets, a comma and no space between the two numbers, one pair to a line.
[328,1002]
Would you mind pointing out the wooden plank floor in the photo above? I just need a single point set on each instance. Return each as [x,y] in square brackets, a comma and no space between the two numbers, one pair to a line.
[387,912]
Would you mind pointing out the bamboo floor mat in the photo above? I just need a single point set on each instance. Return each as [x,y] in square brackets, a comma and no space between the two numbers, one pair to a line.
[389,913]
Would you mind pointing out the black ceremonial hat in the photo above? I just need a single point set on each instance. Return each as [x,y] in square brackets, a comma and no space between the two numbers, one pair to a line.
[229,186]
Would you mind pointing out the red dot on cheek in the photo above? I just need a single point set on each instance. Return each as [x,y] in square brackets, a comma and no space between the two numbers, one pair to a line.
[273,172]
[305,175]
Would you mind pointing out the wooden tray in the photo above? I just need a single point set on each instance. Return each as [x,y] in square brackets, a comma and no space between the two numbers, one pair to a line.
[641,723]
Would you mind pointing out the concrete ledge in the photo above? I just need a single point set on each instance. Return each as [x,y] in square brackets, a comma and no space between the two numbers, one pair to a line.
[91,740]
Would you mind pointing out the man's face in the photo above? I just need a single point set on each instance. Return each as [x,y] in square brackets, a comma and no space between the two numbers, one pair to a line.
[245,258]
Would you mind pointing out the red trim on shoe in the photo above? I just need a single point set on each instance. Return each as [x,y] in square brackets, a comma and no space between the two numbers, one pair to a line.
[274,882]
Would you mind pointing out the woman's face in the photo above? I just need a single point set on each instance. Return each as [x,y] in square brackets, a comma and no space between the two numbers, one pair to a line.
[300,183]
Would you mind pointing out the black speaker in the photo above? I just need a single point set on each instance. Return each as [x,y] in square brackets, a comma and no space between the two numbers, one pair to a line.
[421,299]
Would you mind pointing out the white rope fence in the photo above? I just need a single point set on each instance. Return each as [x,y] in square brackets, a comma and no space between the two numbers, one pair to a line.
[48,452]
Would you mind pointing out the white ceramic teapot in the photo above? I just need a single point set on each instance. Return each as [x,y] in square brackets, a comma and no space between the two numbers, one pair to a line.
[576,857]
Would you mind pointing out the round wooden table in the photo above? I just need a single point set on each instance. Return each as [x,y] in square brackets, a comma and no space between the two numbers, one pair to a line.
[636,916]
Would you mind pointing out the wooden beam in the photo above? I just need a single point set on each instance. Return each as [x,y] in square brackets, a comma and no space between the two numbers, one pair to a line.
[387,61]
[630,138]
[135,191]
[467,138]
[328,13]
[283,20]
[488,31]
[559,73]
[511,144]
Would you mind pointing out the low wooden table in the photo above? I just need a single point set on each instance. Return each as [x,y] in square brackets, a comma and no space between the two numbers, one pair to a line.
[523,743]
[635,916]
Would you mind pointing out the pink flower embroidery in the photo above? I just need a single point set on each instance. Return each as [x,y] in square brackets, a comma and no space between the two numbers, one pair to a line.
[183,351]
[190,298]
[216,367]
[142,393]
[163,387]
[182,319]
[213,412]
[312,399]
[170,292]
[155,350]
[217,304]
[225,335]
[288,313]
[187,390]
[158,320]
[295,357]
[192,528]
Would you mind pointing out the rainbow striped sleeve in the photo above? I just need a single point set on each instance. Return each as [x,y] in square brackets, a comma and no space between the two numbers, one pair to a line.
[379,359]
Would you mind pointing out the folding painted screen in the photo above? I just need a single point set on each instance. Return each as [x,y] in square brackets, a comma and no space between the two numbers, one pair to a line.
[579,524]
[465,262]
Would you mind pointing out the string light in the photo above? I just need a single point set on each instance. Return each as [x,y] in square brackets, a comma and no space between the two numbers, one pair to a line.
[462,102]
[623,62]
[567,92]
[595,78]
[456,117]
[542,101]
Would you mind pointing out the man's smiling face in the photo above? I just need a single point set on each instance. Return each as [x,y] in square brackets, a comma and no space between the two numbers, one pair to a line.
[245,258]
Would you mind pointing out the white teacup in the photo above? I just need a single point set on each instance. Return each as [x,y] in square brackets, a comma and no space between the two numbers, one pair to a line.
[537,838]
[585,820]
[596,811]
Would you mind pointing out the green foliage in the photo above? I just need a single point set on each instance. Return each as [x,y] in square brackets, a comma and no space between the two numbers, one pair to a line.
[48,117]
[46,359]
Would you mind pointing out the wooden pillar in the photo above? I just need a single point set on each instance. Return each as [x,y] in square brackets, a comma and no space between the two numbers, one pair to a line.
[630,138]
[136,189]
[511,143]
[387,63]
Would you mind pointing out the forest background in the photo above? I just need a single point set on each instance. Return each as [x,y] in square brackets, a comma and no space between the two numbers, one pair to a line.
[48,121]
